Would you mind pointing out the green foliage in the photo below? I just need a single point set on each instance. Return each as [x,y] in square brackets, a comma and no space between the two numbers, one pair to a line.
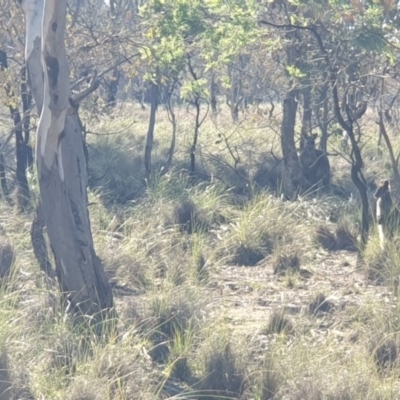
[213,31]
[295,72]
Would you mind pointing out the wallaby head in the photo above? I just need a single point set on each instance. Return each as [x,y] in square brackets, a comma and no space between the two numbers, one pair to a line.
[309,142]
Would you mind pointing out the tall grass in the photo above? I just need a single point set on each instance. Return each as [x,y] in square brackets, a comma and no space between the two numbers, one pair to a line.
[184,257]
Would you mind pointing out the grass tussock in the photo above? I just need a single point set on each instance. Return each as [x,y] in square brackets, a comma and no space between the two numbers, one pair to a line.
[385,353]
[320,304]
[264,225]
[343,237]
[382,266]
[278,323]
[223,371]
[284,263]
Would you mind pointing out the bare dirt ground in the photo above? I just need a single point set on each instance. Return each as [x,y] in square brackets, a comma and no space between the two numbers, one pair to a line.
[251,294]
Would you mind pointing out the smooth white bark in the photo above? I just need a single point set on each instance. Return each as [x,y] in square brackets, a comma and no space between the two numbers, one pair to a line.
[55,67]
[33,10]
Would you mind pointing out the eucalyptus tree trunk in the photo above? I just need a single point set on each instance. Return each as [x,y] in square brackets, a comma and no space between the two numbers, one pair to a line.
[62,174]
[33,10]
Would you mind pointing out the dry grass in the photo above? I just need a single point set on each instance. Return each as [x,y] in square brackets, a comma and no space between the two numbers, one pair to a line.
[222,289]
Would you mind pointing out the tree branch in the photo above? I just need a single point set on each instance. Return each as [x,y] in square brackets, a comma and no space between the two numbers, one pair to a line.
[93,85]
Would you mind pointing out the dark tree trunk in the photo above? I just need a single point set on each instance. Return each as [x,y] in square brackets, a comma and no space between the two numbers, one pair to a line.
[21,142]
[393,161]
[213,96]
[172,118]
[235,95]
[323,120]
[150,131]
[293,179]
[195,137]
[39,243]
[357,161]
[3,180]
[23,194]
[112,88]
[307,113]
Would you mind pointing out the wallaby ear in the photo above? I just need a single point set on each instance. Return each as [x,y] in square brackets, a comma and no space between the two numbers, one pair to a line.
[314,135]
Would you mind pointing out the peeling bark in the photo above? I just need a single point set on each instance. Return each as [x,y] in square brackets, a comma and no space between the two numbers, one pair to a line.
[33,10]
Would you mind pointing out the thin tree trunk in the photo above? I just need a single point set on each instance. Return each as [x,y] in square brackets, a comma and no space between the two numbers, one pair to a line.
[235,93]
[26,105]
[3,180]
[172,118]
[23,194]
[293,179]
[150,132]
[213,96]
[393,162]
[112,88]
[307,113]
[195,137]
[357,161]
[323,122]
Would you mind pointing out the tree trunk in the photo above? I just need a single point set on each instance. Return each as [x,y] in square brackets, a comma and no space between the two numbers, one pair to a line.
[292,176]
[21,148]
[3,179]
[235,95]
[213,96]
[195,137]
[172,118]
[307,113]
[393,161]
[39,243]
[33,10]
[323,122]
[62,178]
[23,194]
[150,131]
[112,88]
[356,162]
[26,109]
